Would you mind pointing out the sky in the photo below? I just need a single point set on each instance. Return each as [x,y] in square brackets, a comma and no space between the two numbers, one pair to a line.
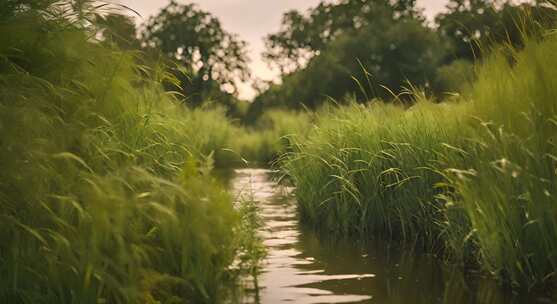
[252,20]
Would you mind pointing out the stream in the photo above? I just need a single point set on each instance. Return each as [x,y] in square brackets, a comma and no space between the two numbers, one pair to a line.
[304,267]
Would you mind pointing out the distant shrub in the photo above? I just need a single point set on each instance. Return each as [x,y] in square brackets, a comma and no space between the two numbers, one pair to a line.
[456,77]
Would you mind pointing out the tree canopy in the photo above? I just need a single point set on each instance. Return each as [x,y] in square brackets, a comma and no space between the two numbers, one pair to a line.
[473,25]
[303,36]
[214,59]
[363,49]
[358,48]
[120,30]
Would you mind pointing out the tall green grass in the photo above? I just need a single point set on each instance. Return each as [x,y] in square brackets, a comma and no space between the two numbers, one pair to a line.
[507,179]
[106,194]
[476,179]
[363,168]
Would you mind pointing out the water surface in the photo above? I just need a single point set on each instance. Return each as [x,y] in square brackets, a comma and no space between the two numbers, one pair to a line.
[306,268]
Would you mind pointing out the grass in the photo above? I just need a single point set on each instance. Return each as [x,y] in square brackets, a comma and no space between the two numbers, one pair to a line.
[509,190]
[272,136]
[107,193]
[475,179]
[106,190]
[362,169]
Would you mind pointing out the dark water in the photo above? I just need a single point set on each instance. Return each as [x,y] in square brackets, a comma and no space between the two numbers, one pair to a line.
[302,267]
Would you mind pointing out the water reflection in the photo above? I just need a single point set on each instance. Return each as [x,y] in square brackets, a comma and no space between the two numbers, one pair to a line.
[303,267]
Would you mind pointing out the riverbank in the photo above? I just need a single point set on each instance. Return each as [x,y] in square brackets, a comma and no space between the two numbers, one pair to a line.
[106,190]
[474,179]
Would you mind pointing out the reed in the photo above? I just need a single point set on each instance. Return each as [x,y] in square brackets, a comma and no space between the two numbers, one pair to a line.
[474,178]
[106,194]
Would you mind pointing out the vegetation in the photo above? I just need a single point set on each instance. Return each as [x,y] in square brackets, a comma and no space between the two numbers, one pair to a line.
[387,126]
[348,48]
[272,136]
[476,178]
[473,25]
[106,191]
[373,49]
[210,60]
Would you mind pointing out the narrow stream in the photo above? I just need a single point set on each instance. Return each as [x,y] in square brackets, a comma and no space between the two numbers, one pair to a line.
[302,267]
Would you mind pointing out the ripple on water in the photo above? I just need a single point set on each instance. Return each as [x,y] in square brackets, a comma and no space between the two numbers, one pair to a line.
[302,267]
[286,277]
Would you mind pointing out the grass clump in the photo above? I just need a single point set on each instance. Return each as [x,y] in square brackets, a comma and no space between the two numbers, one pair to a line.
[476,179]
[106,195]
[507,181]
[362,169]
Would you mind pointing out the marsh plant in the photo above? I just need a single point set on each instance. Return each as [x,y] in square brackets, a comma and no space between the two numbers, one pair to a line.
[474,178]
[106,193]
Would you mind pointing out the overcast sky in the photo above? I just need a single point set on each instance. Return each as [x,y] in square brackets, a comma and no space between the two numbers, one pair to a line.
[253,20]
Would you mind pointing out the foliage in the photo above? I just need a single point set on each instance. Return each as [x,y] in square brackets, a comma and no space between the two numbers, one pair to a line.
[120,30]
[303,36]
[475,179]
[10,7]
[507,180]
[105,191]
[272,135]
[384,54]
[353,49]
[479,24]
[377,49]
[213,59]
[364,169]
[456,77]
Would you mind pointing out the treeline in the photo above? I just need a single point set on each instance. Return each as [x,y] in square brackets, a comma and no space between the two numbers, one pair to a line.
[337,51]
[361,50]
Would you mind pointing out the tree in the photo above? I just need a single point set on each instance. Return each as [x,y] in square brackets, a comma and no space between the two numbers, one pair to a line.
[214,59]
[473,26]
[371,63]
[303,36]
[361,49]
[120,30]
